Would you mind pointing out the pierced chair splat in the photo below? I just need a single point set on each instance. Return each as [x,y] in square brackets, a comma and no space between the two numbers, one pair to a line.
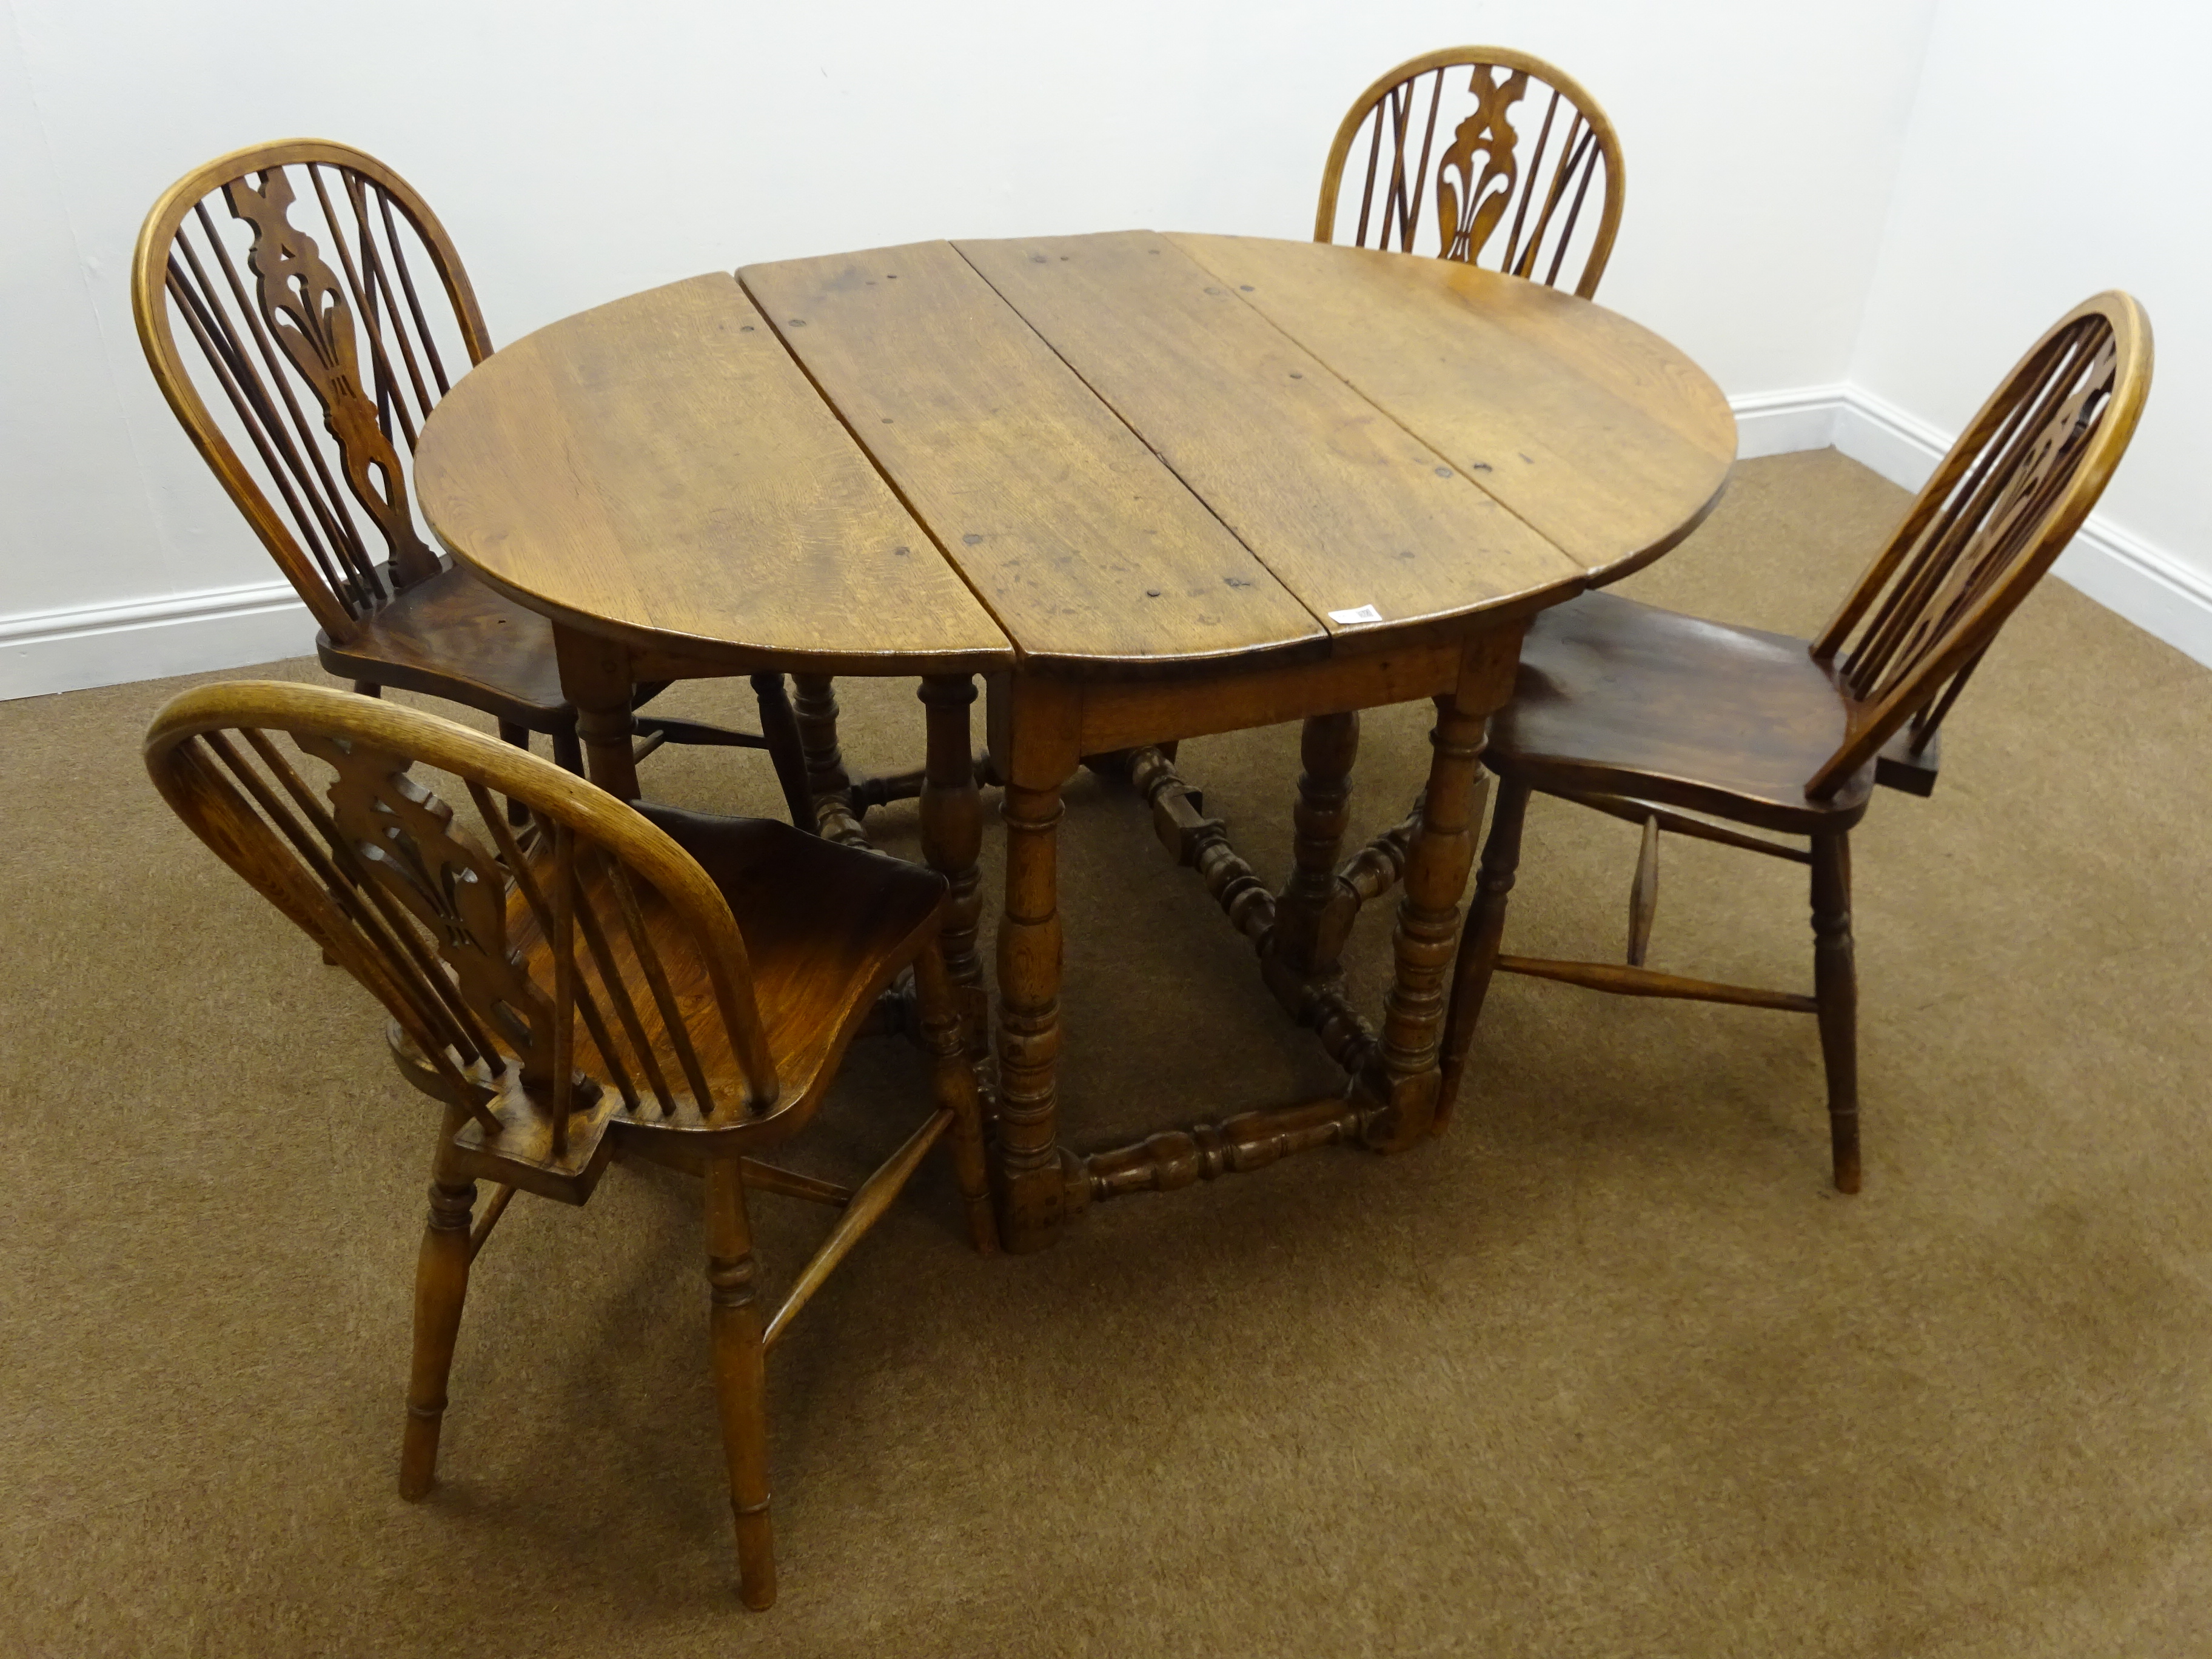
[1527,174]
[329,312]
[673,986]
[1692,727]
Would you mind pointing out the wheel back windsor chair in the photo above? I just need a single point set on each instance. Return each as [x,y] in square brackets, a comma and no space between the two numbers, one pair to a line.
[1672,722]
[1523,147]
[326,371]
[609,979]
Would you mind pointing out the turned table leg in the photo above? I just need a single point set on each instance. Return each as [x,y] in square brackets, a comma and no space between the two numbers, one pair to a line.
[952,838]
[1405,1077]
[1035,724]
[595,677]
[1314,911]
[1033,1198]
[1428,923]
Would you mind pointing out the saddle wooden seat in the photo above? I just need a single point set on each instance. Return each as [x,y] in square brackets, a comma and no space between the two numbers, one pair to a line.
[449,633]
[824,931]
[1617,697]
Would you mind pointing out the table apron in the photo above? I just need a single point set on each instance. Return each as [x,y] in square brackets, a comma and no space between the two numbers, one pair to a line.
[1060,720]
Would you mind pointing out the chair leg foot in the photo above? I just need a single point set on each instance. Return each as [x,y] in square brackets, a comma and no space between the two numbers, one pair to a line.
[1835,989]
[756,1557]
[418,1455]
[442,1286]
[1843,1138]
[734,1330]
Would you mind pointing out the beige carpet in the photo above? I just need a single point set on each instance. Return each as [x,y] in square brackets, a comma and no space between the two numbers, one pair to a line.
[1608,1371]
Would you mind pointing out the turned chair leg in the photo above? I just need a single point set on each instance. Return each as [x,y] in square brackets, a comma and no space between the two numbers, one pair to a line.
[828,785]
[954,1083]
[510,732]
[1835,989]
[734,1330]
[780,725]
[568,751]
[441,1285]
[1480,941]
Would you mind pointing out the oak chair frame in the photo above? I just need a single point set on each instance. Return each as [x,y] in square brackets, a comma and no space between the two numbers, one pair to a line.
[570,994]
[2001,508]
[1471,206]
[290,321]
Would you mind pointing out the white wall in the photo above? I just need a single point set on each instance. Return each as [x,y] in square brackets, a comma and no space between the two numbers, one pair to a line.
[580,151]
[2056,150]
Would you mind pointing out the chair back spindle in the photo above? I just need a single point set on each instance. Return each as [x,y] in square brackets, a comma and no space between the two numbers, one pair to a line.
[299,272]
[1528,176]
[541,975]
[1998,512]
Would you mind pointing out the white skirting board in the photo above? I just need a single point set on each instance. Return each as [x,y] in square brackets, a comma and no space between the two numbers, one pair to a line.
[50,651]
[1784,423]
[2152,589]
[232,627]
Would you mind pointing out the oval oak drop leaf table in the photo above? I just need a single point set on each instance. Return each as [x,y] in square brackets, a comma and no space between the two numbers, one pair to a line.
[1152,487]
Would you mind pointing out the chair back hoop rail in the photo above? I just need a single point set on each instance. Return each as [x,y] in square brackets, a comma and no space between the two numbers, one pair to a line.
[2002,506]
[513,970]
[289,265]
[1514,176]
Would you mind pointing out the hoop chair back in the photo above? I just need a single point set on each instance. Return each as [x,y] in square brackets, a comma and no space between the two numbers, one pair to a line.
[329,308]
[582,973]
[2000,508]
[1523,148]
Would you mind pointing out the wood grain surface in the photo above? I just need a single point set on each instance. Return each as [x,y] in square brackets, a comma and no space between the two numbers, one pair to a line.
[1353,515]
[1606,440]
[1127,455]
[659,470]
[1088,550]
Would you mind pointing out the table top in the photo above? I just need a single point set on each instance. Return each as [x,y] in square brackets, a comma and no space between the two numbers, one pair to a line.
[1124,453]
